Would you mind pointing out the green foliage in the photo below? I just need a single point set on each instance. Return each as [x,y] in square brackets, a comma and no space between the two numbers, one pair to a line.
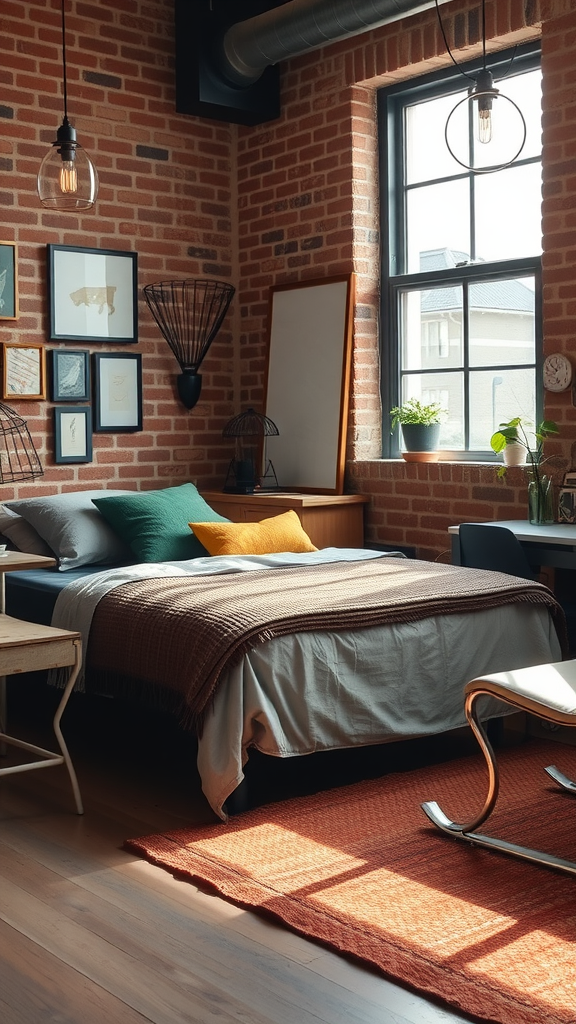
[514,432]
[413,411]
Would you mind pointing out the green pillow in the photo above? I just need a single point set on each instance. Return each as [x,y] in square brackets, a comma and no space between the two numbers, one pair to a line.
[155,523]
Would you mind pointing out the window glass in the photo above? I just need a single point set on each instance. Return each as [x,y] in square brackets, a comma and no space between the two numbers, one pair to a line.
[437,220]
[508,213]
[496,396]
[432,329]
[425,158]
[448,390]
[501,315]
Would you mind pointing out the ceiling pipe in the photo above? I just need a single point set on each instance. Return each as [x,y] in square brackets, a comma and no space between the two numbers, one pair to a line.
[298,26]
[230,71]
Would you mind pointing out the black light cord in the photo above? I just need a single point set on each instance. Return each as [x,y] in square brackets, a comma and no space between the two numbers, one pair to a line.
[451,55]
[64,64]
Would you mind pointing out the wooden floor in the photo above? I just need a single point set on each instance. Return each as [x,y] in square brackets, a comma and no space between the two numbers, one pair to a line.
[90,934]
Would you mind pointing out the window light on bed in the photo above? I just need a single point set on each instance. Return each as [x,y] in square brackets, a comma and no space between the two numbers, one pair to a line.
[19,459]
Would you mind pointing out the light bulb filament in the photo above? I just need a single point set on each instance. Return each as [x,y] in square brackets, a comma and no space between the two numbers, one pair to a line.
[484,125]
[68,177]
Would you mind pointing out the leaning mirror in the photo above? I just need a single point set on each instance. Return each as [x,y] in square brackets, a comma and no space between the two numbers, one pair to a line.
[310,351]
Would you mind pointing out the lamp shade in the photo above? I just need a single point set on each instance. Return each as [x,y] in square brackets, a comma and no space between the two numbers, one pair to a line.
[19,459]
[189,314]
[67,178]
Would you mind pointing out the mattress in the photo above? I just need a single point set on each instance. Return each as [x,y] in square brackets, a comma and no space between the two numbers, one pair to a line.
[31,595]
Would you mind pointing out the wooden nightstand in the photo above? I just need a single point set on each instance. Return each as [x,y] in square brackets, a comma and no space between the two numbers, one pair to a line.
[29,647]
[330,520]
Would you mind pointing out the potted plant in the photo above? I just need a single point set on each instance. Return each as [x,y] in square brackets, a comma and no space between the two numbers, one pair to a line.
[420,425]
[540,494]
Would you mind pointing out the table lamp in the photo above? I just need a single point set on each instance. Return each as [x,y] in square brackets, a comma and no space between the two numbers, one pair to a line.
[250,429]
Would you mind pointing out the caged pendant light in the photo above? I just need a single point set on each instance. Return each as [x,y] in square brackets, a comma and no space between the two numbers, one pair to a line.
[67,178]
[480,102]
[189,314]
[19,459]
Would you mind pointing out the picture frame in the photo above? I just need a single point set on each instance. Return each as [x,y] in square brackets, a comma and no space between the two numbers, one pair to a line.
[70,375]
[72,433]
[117,391]
[23,371]
[8,281]
[92,294]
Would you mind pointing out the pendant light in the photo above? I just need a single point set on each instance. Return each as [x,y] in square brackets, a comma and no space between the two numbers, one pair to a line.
[480,105]
[67,179]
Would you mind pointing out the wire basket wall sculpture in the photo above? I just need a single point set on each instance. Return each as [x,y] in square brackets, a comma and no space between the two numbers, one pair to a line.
[189,314]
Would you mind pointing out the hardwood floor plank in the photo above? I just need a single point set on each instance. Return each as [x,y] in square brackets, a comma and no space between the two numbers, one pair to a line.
[137,937]
[36,986]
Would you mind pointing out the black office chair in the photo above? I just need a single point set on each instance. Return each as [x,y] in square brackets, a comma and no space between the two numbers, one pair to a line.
[493,547]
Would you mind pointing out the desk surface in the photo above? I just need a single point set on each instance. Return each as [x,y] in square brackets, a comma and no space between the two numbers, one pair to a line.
[550,533]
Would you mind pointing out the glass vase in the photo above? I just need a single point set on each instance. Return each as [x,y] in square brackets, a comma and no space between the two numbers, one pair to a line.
[540,500]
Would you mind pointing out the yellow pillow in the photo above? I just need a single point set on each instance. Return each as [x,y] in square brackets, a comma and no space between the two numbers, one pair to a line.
[280,533]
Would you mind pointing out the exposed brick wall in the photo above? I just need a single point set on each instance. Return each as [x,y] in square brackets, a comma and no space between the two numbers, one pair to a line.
[166,191]
[290,200]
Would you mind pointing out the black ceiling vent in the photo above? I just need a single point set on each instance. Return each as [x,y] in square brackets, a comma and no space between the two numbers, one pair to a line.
[227,69]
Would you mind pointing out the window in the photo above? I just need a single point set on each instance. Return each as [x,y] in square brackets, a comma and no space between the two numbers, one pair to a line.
[461,307]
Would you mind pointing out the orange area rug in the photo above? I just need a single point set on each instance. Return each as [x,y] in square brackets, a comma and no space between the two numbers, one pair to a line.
[361,870]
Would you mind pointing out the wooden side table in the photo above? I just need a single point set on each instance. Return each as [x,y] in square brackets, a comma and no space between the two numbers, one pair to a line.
[330,520]
[30,647]
[11,561]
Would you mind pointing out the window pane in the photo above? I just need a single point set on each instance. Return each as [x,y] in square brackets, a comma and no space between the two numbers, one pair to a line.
[427,155]
[509,213]
[431,329]
[496,398]
[438,219]
[502,322]
[448,390]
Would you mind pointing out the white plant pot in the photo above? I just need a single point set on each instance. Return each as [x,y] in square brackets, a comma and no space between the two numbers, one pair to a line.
[514,454]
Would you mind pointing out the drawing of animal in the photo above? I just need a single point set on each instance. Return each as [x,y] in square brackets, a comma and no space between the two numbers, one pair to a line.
[100,296]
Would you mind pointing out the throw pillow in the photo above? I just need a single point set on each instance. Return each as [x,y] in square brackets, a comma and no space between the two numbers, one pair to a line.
[279,533]
[74,530]
[155,523]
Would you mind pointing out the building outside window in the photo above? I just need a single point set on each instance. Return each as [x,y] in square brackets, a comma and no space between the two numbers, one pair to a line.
[461,275]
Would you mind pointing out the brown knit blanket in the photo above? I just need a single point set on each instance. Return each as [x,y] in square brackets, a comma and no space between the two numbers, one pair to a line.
[180,633]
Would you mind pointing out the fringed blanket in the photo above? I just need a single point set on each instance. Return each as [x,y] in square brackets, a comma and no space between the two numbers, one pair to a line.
[179,634]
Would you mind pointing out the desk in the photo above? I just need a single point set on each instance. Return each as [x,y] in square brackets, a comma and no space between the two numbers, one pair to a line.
[553,544]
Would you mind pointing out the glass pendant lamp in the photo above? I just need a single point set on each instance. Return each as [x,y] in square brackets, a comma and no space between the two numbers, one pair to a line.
[67,178]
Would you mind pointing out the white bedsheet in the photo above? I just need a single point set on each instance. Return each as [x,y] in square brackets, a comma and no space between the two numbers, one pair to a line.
[308,692]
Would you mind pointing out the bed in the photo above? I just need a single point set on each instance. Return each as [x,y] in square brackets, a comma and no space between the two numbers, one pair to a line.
[290,653]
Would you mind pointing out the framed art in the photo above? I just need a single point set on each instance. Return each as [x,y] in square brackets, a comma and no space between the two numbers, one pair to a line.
[73,434]
[310,326]
[92,294]
[70,375]
[23,371]
[117,391]
[8,281]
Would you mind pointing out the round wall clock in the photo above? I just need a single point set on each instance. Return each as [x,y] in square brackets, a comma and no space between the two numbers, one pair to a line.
[557,372]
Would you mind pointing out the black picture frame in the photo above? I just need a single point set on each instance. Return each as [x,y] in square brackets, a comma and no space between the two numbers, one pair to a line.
[8,281]
[117,380]
[70,376]
[92,294]
[72,433]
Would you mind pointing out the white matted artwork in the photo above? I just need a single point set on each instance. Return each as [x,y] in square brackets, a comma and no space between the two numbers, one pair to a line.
[307,389]
[117,391]
[92,294]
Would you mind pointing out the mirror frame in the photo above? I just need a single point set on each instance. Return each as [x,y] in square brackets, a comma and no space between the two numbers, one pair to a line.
[308,381]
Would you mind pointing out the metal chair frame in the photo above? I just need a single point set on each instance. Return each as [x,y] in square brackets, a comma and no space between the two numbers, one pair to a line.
[529,690]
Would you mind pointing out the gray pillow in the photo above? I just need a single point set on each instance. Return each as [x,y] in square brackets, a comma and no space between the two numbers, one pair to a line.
[73,528]
[21,535]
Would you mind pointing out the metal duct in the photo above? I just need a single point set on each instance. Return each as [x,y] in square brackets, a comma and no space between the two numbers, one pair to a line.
[302,25]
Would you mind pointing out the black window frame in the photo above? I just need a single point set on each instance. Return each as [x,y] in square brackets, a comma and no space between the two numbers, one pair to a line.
[391,103]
